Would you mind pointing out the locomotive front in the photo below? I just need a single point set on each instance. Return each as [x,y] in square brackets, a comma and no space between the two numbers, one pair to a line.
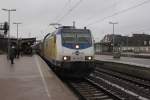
[77,51]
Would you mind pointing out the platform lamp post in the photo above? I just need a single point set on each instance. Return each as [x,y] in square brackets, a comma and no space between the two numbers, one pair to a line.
[113,23]
[9,10]
[17,23]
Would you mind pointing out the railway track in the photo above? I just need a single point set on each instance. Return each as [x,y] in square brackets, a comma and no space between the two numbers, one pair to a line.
[89,90]
[130,87]
[132,79]
[105,84]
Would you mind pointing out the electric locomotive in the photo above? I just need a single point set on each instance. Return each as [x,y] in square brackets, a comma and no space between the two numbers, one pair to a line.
[70,51]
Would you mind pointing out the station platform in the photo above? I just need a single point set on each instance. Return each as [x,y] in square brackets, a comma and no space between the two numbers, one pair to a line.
[29,78]
[142,62]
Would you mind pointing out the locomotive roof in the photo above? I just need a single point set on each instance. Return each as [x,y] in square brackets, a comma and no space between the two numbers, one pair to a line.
[67,29]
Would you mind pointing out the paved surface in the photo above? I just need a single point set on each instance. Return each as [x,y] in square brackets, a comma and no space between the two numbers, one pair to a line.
[30,79]
[125,60]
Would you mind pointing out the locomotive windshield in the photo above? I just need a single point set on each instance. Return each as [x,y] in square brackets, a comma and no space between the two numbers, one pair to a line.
[76,36]
[83,38]
[68,38]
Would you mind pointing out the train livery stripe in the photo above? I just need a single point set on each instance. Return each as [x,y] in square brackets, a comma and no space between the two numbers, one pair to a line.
[81,45]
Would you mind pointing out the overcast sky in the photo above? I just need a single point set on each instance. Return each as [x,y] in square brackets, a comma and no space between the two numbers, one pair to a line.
[36,15]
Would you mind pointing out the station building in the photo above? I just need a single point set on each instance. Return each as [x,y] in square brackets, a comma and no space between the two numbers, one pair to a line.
[137,43]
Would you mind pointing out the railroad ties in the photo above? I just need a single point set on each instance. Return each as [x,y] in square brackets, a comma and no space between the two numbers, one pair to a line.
[88,90]
[106,84]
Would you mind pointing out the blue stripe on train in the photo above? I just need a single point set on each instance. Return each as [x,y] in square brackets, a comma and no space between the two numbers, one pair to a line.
[72,46]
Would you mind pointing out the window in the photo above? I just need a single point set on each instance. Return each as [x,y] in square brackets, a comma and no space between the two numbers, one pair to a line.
[68,38]
[83,38]
[76,36]
[145,42]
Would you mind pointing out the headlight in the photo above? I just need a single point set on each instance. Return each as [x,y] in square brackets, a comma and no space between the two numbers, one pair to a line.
[88,58]
[77,46]
[66,58]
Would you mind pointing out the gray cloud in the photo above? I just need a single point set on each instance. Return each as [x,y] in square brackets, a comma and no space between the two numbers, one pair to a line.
[37,14]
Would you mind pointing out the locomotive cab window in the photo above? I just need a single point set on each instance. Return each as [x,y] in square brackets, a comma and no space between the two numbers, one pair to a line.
[83,38]
[68,38]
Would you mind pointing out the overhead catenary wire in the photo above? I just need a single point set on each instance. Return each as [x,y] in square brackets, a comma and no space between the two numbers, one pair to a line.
[69,11]
[107,8]
[119,12]
[66,4]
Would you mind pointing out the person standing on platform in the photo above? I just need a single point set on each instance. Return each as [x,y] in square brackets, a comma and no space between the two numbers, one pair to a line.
[12,54]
